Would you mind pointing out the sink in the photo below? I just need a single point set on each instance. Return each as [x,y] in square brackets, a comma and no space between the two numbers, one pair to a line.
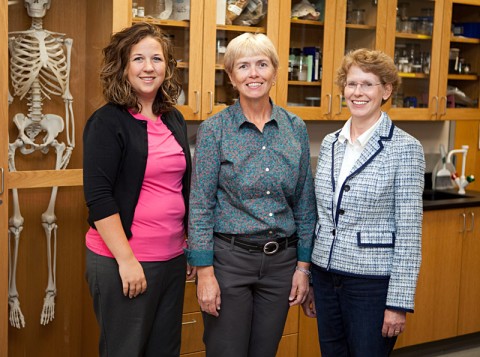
[433,195]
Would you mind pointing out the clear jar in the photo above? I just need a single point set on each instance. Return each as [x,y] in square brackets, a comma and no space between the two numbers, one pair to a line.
[302,74]
[134,9]
[140,11]
[425,26]
[291,61]
[358,16]
[406,26]
[221,49]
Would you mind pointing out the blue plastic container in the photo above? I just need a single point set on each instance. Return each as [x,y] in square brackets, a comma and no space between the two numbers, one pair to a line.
[467,29]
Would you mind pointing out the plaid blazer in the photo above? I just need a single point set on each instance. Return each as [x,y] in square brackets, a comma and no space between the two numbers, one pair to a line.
[376,228]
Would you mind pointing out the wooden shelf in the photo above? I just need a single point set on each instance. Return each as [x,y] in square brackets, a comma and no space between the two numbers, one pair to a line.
[461,39]
[235,28]
[360,27]
[412,36]
[169,23]
[463,77]
[306,22]
[413,75]
[305,83]
[45,178]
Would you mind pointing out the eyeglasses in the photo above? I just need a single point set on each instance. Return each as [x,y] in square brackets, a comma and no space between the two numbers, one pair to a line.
[365,87]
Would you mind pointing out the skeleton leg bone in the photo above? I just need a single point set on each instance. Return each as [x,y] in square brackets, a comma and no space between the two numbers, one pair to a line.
[15,224]
[49,224]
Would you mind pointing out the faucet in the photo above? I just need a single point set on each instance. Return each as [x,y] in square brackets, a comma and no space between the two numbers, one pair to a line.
[461,181]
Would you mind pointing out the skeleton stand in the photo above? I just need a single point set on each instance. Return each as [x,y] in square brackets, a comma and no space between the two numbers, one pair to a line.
[39,67]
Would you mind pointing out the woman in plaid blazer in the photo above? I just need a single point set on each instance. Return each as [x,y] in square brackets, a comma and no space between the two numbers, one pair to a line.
[367,250]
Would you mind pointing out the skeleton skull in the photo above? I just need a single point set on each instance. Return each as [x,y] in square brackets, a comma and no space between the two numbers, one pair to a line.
[37,8]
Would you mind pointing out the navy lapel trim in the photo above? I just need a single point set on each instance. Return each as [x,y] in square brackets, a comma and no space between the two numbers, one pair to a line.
[380,148]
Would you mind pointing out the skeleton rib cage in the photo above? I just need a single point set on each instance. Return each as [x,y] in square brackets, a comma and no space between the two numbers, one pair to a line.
[42,59]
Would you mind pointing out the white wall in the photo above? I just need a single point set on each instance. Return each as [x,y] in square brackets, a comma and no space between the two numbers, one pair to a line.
[430,134]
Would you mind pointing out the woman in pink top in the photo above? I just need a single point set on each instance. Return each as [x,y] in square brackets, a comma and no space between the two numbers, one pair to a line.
[136,181]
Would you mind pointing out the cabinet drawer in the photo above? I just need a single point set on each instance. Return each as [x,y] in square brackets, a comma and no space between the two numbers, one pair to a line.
[195,354]
[192,333]
[190,302]
[288,346]
[291,325]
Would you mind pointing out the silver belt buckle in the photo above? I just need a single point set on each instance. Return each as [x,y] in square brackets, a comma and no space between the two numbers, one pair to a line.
[270,248]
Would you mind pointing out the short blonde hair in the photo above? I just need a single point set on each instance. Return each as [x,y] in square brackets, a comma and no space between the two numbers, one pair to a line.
[249,44]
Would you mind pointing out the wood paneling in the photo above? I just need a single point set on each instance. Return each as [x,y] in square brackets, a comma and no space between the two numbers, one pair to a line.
[4,194]
[62,336]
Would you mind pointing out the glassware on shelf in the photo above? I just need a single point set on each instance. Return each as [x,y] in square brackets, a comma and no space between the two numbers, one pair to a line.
[302,72]
[291,62]
[134,9]
[358,17]
[221,49]
[453,60]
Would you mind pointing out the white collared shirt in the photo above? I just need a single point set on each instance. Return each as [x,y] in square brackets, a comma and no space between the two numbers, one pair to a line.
[352,151]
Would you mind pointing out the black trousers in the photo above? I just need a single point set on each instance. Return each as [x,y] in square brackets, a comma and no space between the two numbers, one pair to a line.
[148,325]
[254,301]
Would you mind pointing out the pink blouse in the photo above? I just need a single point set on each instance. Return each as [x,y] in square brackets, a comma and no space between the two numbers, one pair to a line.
[158,229]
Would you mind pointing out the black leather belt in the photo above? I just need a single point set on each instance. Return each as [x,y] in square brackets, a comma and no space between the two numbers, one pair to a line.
[271,247]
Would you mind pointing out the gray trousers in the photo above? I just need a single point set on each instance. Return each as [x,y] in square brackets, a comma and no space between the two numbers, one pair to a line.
[254,301]
[148,325]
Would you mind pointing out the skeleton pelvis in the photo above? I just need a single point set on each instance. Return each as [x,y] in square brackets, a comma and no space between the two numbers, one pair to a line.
[29,130]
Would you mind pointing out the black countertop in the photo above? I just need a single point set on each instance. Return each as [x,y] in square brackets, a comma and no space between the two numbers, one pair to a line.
[470,199]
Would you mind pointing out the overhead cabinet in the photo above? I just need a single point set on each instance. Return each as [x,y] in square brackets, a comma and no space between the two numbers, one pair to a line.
[438,55]
[200,42]
[340,28]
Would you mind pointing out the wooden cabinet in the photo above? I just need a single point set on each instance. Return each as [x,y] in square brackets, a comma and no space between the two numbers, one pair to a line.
[432,88]
[307,337]
[420,31]
[469,307]
[446,303]
[320,99]
[192,328]
[197,42]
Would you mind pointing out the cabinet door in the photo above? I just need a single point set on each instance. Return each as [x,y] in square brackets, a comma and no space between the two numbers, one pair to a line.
[308,97]
[459,85]
[217,91]
[469,307]
[3,187]
[437,295]
[414,40]
[360,24]
[308,345]
[186,36]
[288,346]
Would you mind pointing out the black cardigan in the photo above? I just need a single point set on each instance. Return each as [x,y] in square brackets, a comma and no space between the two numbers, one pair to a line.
[115,151]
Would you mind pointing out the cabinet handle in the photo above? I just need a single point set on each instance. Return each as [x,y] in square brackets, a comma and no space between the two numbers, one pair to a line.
[2,186]
[472,226]
[464,223]
[193,321]
[197,102]
[444,106]
[436,104]
[210,98]
[329,104]
[340,104]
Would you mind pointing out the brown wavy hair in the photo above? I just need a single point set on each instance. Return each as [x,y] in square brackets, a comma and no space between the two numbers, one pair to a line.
[113,75]
[370,61]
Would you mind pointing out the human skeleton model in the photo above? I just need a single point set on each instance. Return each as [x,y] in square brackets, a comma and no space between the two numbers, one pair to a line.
[39,67]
